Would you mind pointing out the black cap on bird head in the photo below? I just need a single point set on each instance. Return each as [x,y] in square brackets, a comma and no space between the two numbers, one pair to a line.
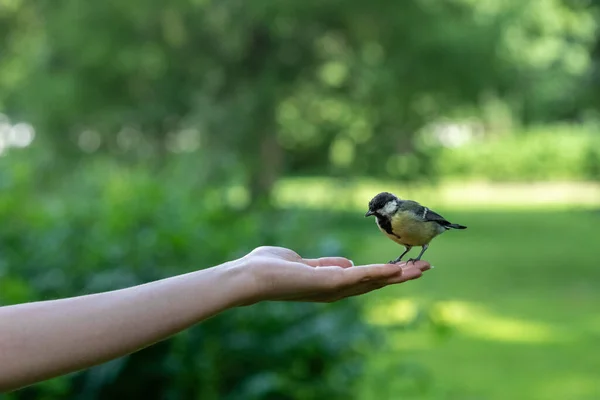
[379,201]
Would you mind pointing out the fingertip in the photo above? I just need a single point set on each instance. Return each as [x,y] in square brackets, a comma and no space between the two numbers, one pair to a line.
[342,262]
[425,267]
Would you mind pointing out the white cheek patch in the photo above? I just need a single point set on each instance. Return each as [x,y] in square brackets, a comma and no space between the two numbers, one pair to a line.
[389,208]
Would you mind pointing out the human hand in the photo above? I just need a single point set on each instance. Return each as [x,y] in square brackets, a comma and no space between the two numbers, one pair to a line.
[281,274]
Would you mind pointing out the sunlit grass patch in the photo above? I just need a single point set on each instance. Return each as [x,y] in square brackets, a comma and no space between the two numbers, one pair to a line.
[400,311]
[479,322]
[468,319]
[341,195]
[509,312]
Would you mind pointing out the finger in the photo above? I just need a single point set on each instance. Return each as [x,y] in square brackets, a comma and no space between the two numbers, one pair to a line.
[372,272]
[362,288]
[412,274]
[350,291]
[329,262]
[338,279]
[344,281]
[410,271]
[421,264]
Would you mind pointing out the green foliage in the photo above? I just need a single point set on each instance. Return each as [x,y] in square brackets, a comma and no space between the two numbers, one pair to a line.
[541,154]
[286,87]
[106,226]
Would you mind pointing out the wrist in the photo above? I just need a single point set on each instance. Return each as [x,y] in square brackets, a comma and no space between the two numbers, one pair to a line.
[240,281]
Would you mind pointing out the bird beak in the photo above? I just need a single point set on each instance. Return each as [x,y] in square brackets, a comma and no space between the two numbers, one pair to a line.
[369,213]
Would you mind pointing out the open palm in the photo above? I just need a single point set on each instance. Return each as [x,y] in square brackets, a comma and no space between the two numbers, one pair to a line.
[282,274]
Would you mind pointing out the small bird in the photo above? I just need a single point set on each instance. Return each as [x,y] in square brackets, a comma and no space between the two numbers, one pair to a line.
[407,222]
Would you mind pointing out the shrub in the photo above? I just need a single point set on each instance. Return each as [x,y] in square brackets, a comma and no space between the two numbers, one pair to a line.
[104,226]
[543,154]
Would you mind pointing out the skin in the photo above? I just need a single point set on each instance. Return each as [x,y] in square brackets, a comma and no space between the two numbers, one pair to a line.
[42,340]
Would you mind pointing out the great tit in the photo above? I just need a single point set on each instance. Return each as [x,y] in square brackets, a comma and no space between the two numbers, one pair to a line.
[407,222]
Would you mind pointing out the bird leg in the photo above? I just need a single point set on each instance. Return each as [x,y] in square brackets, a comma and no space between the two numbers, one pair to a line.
[401,255]
[420,254]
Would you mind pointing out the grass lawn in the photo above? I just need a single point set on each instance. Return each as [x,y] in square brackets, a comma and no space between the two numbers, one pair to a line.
[516,304]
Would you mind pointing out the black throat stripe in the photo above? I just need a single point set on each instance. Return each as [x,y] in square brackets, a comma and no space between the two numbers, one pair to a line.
[386,224]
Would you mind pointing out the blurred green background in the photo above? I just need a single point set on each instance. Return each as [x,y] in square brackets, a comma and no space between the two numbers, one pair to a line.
[142,139]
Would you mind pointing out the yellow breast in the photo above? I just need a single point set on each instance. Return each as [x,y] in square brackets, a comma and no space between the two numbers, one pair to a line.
[411,230]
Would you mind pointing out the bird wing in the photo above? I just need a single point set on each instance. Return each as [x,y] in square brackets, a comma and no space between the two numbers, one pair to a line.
[424,213]
[429,215]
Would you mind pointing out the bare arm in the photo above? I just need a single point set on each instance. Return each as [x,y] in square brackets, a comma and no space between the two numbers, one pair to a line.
[46,339]
[42,340]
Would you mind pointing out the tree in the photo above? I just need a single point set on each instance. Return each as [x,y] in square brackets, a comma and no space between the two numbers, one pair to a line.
[284,87]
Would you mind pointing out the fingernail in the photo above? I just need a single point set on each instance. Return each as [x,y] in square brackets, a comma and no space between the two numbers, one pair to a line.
[432,267]
[351,262]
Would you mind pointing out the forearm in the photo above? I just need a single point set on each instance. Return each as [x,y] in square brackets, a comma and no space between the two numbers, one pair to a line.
[46,339]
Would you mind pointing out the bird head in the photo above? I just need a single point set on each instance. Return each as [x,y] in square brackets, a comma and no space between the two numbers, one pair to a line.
[383,204]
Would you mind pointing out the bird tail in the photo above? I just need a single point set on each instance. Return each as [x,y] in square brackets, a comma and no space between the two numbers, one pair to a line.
[456,226]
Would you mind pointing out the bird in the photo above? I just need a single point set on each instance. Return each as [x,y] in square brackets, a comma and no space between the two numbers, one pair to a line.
[407,222]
